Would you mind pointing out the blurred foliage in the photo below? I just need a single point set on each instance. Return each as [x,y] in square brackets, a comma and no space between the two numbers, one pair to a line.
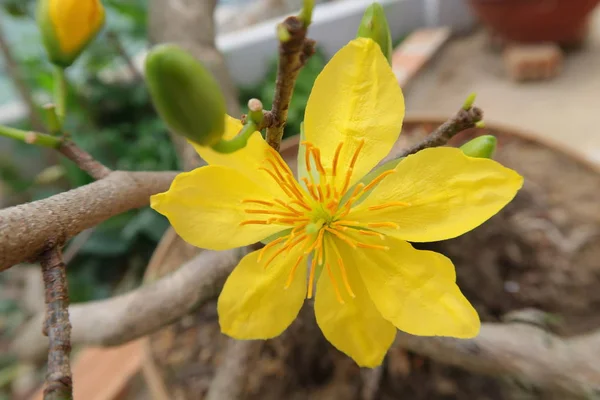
[265,90]
[114,120]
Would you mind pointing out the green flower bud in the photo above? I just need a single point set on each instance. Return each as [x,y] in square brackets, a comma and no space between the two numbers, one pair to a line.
[374,26]
[68,26]
[185,95]
[480,147]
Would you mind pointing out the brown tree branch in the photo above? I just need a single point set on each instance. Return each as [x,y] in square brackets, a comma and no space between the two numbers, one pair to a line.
[129,316]
[464,119]
[567,366]
[518,350]
[27,229]
[232,374]
[83,160]
[59,383]
[294,51]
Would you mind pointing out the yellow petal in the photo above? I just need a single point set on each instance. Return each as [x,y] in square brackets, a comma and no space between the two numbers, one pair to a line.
[356,327]
[355,98]
[254,303]
[205,208]
[248,160]
[439,194]
[75,22]
[414,289]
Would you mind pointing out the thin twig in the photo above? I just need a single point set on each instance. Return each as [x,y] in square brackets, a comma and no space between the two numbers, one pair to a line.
[294,51]
[59,383]
[25,229]
[140,312]
[464,119]
[83,160]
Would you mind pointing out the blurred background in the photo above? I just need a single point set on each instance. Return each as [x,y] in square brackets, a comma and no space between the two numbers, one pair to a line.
[535,66]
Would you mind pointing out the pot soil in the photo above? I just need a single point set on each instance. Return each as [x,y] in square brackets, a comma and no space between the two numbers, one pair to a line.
[541,251]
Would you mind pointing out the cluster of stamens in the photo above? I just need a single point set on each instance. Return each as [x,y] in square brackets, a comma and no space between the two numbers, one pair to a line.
[313,213]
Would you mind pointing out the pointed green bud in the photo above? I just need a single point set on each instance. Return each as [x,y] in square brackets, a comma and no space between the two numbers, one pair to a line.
[185,94]
[469,101]
[374,26]
[480,147]
[68,26]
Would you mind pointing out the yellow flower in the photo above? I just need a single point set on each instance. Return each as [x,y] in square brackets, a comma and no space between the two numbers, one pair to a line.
[68,26]
[373,281]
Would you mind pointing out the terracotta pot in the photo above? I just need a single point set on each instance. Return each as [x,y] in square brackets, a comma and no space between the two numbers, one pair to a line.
[561,21]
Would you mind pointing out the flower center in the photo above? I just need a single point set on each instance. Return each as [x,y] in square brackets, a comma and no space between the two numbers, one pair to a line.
[317,213]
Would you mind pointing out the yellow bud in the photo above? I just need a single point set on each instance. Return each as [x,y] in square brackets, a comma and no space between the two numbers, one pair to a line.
[67,26]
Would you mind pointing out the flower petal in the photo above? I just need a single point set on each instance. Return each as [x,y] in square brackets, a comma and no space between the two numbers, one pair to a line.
[415,289]
[444,192]
[254,303]
[205,208]
[356,327]
[248,160]
[355,98]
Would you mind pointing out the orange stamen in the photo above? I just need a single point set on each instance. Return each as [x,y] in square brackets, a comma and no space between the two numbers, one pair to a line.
[287,206]
[372,233]
[281,184]
[311,278]
[293,272]
[301,204]
[355,156]
[254,222]
[262,202]
[321,196]
[272,212]
[383,225]
[317,157]
[345,278]
[311,189]
[378,179]
[342,237]
[334,284]
[268,246]
[336,157]
[371,246]
[289,220]
[390,204]
[279,161]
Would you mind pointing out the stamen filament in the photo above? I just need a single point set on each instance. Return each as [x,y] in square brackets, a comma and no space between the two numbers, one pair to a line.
[311,278]
[345,277]
[272,212]
[336,157]
[342,237]
[371,246]
[371,233]
[287,206]
[383,225]
[290,278]
[268,246]
[334,284]
[262,202]
[301,204]
[254,222]
[378,179]
[390,204]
